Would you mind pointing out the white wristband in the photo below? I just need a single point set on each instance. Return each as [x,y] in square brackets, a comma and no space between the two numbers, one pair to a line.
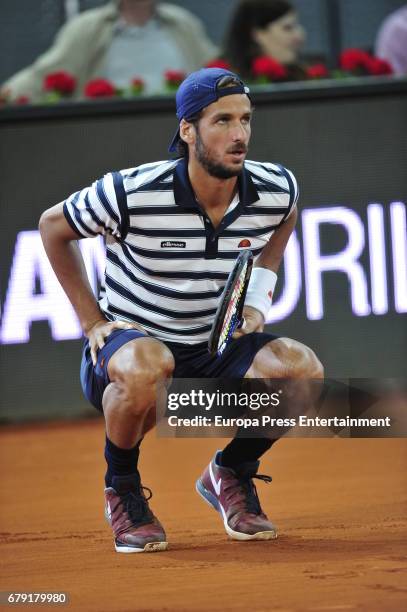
[260,290]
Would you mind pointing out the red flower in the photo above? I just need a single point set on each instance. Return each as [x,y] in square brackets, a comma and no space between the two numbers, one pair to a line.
[377,66]
[137,82]
[174,77]
[99,88]
[218,63]
[61,82]
[353,60]
[22,100]
[317,71]
[265,66]
[137,85]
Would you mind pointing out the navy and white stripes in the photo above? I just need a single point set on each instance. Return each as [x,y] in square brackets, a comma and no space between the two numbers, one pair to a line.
[166,263]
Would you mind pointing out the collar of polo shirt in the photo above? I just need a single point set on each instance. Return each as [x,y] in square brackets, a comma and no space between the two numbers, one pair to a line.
[184,194]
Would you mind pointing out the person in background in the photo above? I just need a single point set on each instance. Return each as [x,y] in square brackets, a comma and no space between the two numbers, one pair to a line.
[119,41]
[391,41]
[264,28]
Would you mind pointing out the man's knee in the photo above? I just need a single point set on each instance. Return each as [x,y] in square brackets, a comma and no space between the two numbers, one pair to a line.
[301,360]
[287,358]
[138,367]
[313,368]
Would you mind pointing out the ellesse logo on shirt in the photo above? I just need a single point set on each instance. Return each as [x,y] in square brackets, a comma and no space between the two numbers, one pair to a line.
[168,244]
[243,244]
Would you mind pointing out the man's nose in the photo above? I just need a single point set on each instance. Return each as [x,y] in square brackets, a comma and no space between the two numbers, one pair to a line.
[239,133]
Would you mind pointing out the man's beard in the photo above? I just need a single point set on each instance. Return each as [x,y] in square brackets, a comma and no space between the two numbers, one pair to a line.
[212,167]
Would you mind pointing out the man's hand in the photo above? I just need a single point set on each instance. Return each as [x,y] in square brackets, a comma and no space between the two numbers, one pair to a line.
[253,322]
[99,330]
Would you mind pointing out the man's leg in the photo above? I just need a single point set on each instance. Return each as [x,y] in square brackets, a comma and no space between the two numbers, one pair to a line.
[281,358]
[137,371]
[227,483]
[285,358]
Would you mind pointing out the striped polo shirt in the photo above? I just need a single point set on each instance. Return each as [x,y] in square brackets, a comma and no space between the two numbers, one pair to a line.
[166,264]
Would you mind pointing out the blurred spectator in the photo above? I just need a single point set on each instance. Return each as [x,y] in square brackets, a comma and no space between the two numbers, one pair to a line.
[119,41]
[391,42]
[264,28]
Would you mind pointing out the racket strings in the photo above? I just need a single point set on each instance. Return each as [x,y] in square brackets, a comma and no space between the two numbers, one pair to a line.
[230,321]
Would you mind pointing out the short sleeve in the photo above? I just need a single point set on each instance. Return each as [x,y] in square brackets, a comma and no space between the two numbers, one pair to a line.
[97,209]
[293,190]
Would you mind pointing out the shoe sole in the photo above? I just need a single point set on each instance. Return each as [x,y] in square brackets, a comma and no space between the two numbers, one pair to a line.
[212,501]
[148,548]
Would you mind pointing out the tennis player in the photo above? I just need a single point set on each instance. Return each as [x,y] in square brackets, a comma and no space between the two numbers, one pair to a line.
[173,230]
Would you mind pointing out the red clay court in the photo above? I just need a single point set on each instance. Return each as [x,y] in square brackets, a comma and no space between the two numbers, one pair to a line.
[340,506]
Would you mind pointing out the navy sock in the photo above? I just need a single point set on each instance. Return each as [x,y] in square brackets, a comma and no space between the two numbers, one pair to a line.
[240,450]
[120,461]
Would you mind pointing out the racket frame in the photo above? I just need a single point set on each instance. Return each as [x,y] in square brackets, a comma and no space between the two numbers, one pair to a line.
[244,258]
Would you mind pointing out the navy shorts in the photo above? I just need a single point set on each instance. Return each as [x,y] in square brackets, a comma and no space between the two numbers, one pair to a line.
[191,360]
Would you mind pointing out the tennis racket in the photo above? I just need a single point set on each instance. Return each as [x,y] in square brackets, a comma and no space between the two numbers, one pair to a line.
[228,316]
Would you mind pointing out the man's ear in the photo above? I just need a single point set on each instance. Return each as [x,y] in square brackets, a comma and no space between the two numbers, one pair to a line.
[187,132]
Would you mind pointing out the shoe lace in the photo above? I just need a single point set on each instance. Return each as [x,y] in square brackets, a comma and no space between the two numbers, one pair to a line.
[247,492]
[136,506]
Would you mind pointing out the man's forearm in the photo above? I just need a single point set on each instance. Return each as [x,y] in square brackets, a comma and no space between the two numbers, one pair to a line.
[67,263]
[264,275]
